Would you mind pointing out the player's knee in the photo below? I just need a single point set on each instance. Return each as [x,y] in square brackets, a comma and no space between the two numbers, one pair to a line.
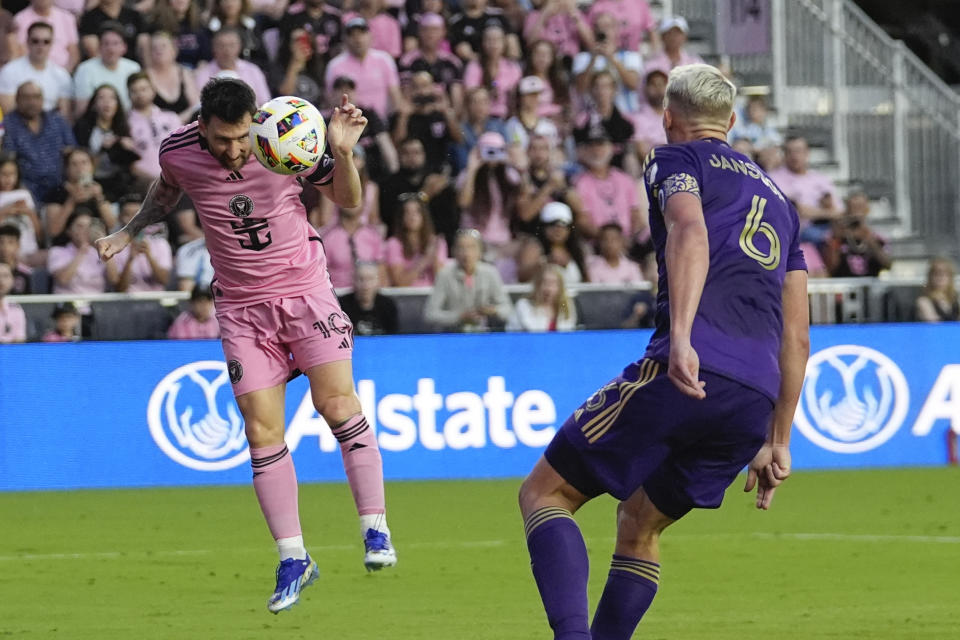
[337,408]
[638,526]
[263,434]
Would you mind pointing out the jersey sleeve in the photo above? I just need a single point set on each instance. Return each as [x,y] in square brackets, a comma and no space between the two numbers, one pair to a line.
[323,174]
[795,259]
[670,170]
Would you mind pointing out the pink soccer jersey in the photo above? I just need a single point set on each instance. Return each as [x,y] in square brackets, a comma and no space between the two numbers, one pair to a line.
[260,243]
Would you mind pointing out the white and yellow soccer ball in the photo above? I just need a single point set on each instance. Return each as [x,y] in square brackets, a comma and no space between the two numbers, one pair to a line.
[288,135]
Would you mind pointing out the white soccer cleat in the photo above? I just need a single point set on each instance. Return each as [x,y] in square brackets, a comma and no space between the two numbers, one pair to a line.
[379,552]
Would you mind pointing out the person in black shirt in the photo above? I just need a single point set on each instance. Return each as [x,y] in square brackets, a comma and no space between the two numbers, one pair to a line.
[371,312]
[605,114]
[415,177]
[112,10]
[428,117]
[466,30]
[321,21]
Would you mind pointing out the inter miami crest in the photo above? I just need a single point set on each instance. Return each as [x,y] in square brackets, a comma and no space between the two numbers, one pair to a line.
[235,369]
[241,205]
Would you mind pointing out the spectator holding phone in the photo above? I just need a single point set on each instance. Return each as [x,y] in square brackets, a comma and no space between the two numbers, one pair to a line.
[624,65]
[487,192]
[429,117]
[854,249]
[144,265]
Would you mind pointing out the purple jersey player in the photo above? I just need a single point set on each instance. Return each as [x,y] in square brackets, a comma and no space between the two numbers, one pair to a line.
[716,389]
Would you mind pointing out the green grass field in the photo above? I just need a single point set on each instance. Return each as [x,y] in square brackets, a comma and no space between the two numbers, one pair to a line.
[866,554]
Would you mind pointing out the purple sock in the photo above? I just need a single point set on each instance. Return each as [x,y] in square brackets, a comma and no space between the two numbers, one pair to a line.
[631,586]
[558,557]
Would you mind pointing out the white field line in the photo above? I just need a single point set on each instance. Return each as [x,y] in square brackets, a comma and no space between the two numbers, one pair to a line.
[482,544]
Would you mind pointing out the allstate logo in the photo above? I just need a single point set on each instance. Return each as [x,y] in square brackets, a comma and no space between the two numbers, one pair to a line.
[854,399]
[186,417]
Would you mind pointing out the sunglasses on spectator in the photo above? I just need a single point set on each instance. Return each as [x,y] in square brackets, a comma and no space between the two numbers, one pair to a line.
[419,196]
[39,41]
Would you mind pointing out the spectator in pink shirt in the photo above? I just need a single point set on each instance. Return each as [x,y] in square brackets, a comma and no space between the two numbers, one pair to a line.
[198,322]
[350,241]
[488,190]
[611,265]
[145,264]
[227,46]
[374,71]
[65,50]
[149,126]
[560,23]
[494,71]
[636,21]
[75,266]
[66,324]
[384,28]
[608,194]
[415,253]
[648,121]
[673,31]
[13,322]
[813,193]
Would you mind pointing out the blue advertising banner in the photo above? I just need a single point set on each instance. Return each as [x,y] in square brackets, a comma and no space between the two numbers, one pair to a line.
[125,414]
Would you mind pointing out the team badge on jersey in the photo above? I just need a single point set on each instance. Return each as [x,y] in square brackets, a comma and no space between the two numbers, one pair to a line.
[235,369]
[241,205]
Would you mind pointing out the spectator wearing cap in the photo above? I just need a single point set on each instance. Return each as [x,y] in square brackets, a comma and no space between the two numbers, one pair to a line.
[144,265]
[384,29]
[478,121]
[487,192]
[605,115]
[109,10]
[64,49]
[370,312]
[548,307]
[611,265]
[415,10]
[13,321]
[467,27]
[625,65]
[10,235]
[493,70]
[608,194]
[149,126]
[544,63]
[648,121]
[673,32]
[66,324]
[429,117]
[109,68]
[468,294]
[429,56]
[561,242]
[528,121]
[227,46]
[374,71]
[321,21]
[36,66]
[636,21]
[375,140]
[198,321]
[543,181]
[560,23]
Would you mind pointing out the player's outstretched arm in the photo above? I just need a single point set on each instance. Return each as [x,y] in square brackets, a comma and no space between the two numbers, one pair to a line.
[688,259]
[160,200]
[771,466]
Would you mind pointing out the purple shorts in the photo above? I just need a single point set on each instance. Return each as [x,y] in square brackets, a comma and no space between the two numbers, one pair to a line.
[639,430]
[264,343]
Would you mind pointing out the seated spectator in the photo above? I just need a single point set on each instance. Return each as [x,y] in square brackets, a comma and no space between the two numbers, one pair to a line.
[73,262]
[38,139]
[109,68]
[636,22]
[429,56]
[561,243]
[560,23]
[854,249]
[103,128]
[525,265]
[412,177]
[487,192]
[78,191]
[327,214]
[478,121]
[198,321]
[384,29]
[375,72]
[611,264]
[6,27]
[371,312]
[548,307]
[17,207]
[468,294]
[648,121]
[322,21]
[429,117]
[604,114]
[10,256]
[53,80]
[298,71]
[375,140]
[109,11]
[13,321]
[939,302]
[227,47]
[237,14]
[175,85]
[641,312]
[415,253]
[66,324]
[608,194]
[543,182]
[493,70]
[528,120]
[467,29]
[813,193]
[754,126]
[349,241]
[144,265]
[673,33]
[64,50]
[181,19]
[192,265]
[544,63]
[624,65]
[149,126]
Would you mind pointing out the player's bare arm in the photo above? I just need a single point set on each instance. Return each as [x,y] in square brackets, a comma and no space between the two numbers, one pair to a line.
[771,466]
[688,258]
[343,131]
[160,200]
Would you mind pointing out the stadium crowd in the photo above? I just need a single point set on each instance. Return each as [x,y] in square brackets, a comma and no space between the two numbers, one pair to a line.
[505,145]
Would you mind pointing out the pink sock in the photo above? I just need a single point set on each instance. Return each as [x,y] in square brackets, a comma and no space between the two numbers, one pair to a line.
[275,481]
[363,464]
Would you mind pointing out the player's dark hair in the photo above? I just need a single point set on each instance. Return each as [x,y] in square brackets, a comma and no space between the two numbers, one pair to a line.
[228,99]
[39,24]
[10,230]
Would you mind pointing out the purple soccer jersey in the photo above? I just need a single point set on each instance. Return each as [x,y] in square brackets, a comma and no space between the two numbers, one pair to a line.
[753,236]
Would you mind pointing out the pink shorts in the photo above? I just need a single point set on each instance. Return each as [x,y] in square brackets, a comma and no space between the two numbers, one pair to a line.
[265,342]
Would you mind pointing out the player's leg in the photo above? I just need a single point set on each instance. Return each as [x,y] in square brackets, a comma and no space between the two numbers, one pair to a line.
[558,554]
[332,390]
[634,571]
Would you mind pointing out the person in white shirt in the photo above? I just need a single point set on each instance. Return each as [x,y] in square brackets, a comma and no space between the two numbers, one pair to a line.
[110,67]
[55,81]
[625,66]
[548,308]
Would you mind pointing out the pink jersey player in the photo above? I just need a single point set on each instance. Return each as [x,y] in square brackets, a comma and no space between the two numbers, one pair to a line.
[275,306]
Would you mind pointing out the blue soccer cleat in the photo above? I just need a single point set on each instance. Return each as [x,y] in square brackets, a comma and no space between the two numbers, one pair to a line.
[293,576]
[379,552]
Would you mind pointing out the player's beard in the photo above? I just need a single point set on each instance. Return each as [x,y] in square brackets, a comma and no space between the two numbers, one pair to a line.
[234,165]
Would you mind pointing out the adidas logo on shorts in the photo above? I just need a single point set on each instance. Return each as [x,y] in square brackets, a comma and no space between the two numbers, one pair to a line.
[344,344]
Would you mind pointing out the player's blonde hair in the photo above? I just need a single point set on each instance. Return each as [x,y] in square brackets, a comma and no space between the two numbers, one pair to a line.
[700,92]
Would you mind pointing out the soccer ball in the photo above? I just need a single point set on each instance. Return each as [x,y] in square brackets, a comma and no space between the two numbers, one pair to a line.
[288,135]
